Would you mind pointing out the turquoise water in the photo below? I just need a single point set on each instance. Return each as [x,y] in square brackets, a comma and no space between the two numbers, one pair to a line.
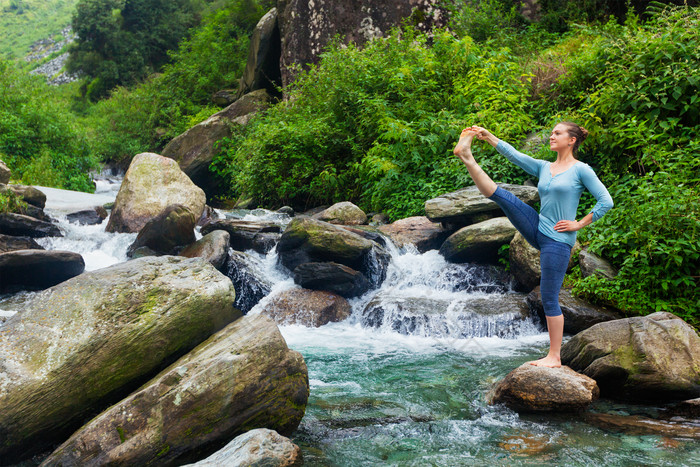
[384,399]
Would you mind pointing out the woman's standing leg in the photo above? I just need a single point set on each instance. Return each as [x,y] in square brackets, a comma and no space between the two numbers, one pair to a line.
[554,260]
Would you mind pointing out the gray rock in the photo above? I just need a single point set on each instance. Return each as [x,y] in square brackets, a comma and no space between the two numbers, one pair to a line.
[29,194]
[151,184]
[263,67]
[644,358]
[288,210]
[12,243]
[194,149]
[332,277]
[213,247]
[224,97]
[593,264]
[418,231]
[247,235]
[256,448]
[81,345]
[460,207]
[311,308]
[5,173]
[531,388]
[524,262]
[242,377]
[344,213]
[88,216]
[479,242]
[165,233]
[578,314]
[24,226]
[37,269]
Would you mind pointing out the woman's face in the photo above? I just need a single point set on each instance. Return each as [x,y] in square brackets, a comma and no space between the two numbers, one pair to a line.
[560,139]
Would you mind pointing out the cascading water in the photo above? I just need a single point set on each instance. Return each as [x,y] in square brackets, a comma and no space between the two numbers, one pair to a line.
[403,380]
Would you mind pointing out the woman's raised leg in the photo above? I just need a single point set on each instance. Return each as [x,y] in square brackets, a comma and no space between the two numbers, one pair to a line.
[463,150]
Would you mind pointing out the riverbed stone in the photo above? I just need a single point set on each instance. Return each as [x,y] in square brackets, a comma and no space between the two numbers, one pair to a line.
[343,213]
[29,194]
[578,313]
[151,184]
[13,243]
[5,173]
[241,378]
[92,216]
[260,236]
[478,243]
[638,425]
[418,231]
[332,277]
[213,247]
[460,207]
[593,264]
[168,231]
[25,226]
[531,388]
[311,308]
[82,345]
[643,358]
[194,149]
[259,447]
[307,240]
[686,409]
[37,269]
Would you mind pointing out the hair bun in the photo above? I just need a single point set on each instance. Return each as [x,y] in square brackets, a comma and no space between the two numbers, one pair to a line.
[584,133]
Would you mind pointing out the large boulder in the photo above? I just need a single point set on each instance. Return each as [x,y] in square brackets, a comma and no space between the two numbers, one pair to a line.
[478,242]
[311,308]
[26,226]
[306,28]
[593,264]
[151,184]
[418,231]
[263,67]
[169,230]
[79,346]
[259,447]
[460,207]
[524,263]
[344,213]
[644,358]
[307,240]
[37,269]
[29,194]
[247,235]
[213,247]
[5,173]
[578,314]
[194,149]
[332,277]
[243,377]
[531,388]
[12,243]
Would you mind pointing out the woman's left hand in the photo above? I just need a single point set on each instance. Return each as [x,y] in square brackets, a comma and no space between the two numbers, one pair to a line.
[567,226]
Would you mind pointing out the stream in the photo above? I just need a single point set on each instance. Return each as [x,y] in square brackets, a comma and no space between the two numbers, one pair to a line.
[404,380]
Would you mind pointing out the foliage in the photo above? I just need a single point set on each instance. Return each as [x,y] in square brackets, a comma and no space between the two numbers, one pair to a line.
[147,116]
[11,202]
[120,42]
[37,138]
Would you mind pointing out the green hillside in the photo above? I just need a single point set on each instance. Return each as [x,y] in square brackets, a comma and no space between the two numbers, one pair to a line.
[24,22]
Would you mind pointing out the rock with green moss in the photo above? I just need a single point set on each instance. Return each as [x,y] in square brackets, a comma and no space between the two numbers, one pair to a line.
[345,213]
[644,358]
[82,345]
[243,377]
[151,184]
[478,243]
[307,240]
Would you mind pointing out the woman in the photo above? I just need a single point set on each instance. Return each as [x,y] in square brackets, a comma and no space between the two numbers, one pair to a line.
[553,231]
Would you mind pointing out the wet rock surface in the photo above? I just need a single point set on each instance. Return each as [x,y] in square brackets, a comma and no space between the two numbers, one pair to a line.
[332,277]
[251,284]
[311,308]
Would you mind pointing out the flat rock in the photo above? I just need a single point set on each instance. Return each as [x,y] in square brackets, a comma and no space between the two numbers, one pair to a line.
[530,388]
[24,226]
[311,308]
[12,243]
[38,269]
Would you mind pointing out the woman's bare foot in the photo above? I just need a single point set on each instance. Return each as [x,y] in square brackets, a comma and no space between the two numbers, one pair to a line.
[463,147]
[549,361]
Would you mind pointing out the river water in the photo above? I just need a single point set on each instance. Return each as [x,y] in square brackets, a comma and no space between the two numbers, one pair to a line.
[404,380]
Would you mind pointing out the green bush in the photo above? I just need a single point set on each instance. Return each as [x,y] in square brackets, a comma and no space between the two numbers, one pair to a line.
[10,202]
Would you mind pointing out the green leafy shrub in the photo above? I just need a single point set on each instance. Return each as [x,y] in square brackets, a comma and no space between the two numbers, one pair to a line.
[11,203]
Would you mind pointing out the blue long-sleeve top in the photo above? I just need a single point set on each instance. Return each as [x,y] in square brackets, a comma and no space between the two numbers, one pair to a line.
[560,194]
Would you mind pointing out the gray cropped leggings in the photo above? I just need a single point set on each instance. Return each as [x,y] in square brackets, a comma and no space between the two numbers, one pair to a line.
[554,255]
